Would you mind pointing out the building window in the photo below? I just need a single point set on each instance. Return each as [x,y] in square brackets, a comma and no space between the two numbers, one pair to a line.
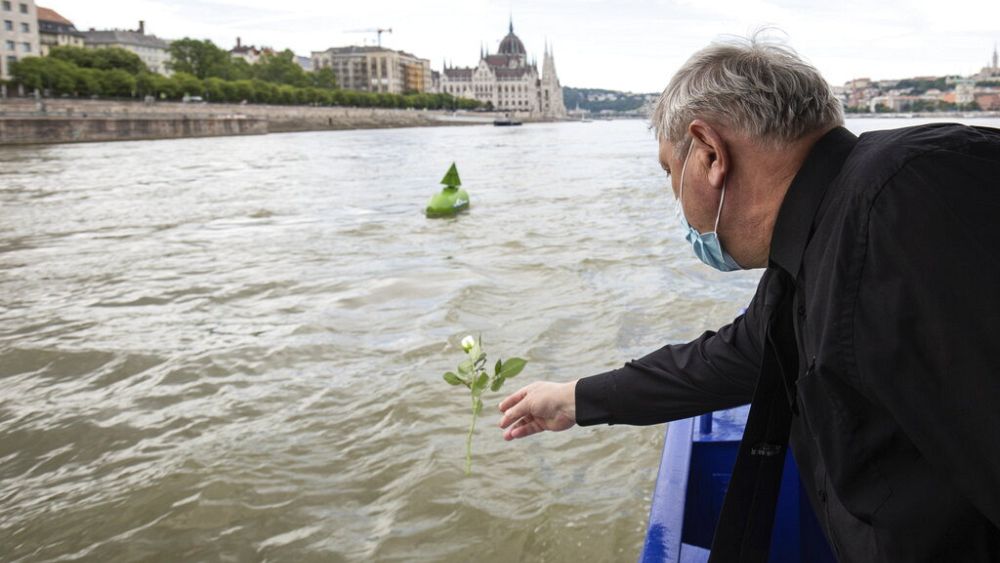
[24,8]
[8,25]
[6,5]
[11,59]
[26,47]
[10,45]
[25,28]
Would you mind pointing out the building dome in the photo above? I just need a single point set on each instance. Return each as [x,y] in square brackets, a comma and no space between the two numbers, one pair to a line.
[511,44]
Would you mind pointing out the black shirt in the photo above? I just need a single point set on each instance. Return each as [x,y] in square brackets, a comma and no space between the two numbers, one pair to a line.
[893,242]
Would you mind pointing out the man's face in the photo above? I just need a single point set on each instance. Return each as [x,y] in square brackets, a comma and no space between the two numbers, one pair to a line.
[670,165]
[700,203]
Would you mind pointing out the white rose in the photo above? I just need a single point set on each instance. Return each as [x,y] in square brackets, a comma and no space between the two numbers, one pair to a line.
[468,342]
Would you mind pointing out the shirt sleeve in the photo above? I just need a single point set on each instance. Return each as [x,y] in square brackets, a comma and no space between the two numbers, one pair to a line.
[928,311]
[716,371]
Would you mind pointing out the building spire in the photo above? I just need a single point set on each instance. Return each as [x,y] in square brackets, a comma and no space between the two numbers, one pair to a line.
[511,28]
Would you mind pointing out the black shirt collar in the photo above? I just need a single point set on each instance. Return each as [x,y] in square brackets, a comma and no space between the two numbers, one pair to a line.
[795,217]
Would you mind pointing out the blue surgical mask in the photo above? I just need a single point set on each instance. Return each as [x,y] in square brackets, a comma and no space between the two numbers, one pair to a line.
[706,246]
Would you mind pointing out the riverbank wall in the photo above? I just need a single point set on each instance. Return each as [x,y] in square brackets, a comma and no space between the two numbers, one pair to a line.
[61,129]
[30,121]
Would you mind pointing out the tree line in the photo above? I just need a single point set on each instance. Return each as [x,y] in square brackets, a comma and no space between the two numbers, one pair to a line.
[201,69]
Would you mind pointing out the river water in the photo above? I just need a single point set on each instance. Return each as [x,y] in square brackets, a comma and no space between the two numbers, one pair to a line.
[231,349]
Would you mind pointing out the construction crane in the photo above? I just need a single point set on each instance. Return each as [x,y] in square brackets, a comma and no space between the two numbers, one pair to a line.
[379,31]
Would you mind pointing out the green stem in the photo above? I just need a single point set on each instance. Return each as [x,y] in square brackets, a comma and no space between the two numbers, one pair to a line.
[468,443]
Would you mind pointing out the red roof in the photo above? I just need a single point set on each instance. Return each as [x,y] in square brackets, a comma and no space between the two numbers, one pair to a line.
[50,15]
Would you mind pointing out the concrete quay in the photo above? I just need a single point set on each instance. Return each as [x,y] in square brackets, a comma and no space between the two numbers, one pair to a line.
[30,121]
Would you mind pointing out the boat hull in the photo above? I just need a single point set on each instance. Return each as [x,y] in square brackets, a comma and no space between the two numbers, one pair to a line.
[695,468]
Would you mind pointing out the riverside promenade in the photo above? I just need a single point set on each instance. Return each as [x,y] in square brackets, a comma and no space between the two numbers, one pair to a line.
[31,121]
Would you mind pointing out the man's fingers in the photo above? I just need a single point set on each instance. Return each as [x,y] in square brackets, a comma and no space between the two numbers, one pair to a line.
[524,427]
[513,399]
[514,413]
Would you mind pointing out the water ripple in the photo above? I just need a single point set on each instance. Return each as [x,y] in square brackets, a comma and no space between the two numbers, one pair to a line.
[230,349]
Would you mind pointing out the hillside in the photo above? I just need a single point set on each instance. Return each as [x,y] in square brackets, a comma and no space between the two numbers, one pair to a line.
[597,100]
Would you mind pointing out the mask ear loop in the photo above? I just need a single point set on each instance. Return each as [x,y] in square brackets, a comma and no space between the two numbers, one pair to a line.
[722,198]
[683,168]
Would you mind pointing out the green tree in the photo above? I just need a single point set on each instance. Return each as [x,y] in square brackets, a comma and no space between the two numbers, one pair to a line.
[215,89]
[264,92]
[243,91]
[43,73]
[163,86]
[325,97]
[201,59]
[277,79]
[83,58]
[281,68]
[239,69]
[285,94]
[924,105]
[323,78]
[184,84]
[918,86]
[116,83]
[114,58]
[86,81]
[105,58]
[145,85]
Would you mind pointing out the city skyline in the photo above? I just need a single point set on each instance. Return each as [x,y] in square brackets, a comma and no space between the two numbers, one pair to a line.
[630,46]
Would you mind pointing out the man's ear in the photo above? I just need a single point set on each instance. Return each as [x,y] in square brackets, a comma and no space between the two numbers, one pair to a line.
[714,153]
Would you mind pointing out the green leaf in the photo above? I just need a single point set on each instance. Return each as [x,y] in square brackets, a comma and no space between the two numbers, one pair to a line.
[453,379]
[496,368]
[477,406]
[465,368]
[481,382]
[497,383]
[512,367]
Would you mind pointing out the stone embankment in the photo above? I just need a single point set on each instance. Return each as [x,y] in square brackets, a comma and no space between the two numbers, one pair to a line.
[29,121]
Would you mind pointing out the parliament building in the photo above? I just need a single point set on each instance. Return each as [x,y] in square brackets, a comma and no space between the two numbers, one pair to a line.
[508,81]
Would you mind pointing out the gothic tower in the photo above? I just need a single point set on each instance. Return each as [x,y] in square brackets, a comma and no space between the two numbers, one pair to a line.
[552,96]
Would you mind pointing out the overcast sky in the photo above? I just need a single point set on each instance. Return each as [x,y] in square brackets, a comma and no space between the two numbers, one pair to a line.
[633,45]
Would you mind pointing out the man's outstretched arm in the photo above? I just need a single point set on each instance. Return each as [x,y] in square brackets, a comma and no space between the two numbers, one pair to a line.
[715,371]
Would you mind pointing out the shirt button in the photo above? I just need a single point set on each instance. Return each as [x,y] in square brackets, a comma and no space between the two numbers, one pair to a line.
[821,494]
[802,310]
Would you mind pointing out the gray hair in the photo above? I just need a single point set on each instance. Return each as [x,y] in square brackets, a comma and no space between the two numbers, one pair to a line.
[760,88]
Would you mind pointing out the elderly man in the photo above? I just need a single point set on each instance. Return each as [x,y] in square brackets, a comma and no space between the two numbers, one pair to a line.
[871,344]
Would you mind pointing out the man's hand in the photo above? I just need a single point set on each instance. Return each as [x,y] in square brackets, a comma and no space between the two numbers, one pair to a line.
[539,406]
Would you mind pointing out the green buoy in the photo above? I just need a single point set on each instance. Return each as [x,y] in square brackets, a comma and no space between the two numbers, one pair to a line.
[452,198]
